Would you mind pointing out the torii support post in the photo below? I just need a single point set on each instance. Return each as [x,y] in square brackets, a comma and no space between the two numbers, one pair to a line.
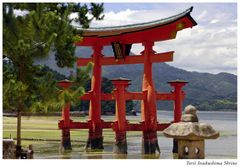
[148,106]
[65,141]
[120,146]
[178,100]
[95,139]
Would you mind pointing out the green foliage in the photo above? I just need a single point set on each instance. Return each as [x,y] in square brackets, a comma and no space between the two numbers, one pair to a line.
[94,10]
[44,96]
[25,37]
[82,75]
[69,96]
[46,26]
[14,94]
[220,104]
[78,84]
[56,75]
[43,27]
[129,105]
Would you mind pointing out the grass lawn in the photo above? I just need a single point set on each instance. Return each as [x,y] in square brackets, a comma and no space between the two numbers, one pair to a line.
[46,128]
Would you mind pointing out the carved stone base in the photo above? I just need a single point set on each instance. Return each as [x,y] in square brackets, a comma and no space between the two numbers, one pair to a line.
[191,149]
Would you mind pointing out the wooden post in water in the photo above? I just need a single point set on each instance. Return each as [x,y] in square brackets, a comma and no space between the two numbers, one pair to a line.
[95,139]
[178,100]
[120,145]
[148,106]
[65,141]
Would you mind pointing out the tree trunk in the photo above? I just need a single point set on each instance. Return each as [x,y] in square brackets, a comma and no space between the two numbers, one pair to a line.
[18,147]
[19,128]
[20,109]
[20,106]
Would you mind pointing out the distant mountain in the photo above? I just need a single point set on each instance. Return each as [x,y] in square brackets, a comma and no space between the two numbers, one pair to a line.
[204,90]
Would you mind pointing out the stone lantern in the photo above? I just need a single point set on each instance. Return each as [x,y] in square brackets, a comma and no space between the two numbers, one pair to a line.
[190,135]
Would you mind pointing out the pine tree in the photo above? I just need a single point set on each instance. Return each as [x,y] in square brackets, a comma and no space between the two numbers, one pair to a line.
[42,27]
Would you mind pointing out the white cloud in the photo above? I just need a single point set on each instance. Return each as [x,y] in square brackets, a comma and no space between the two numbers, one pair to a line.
[214,21]
[202,15]
[129,16]
[120,18]
[211,46]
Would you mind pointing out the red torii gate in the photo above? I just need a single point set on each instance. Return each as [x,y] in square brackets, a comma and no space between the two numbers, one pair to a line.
[121,38]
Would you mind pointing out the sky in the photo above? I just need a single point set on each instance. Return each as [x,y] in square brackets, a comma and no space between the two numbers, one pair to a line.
[211,46]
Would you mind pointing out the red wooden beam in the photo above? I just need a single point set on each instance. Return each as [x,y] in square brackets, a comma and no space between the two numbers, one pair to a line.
[79,125]
[137,59]
[107,96]
[135,95]
[161,57]
[134,127]
[165,96]
[104,96]
[83,125]
[86,96]
[139,127]
[162,126]
[110,125]
[110,96]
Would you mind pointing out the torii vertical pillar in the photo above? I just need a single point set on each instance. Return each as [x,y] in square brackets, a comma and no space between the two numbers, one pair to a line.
[95,139]
[120,146]
[65,141]
[178,100]
[148,105]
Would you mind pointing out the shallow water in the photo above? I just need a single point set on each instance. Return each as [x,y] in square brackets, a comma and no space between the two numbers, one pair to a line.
[225,147]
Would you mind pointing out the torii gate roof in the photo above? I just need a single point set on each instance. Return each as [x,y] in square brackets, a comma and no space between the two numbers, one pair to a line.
[158,30]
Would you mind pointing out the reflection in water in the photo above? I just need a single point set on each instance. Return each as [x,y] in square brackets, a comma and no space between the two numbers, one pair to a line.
[65,155]
[120,156]
[224,122]
[103,154]
[150,156]
[94,156]
[175,156]
[100,155]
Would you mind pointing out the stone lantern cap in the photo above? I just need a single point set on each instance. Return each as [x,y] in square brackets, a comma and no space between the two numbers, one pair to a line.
[191,131]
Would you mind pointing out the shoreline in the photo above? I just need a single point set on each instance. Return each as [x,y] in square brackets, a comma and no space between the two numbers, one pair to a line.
[84,113]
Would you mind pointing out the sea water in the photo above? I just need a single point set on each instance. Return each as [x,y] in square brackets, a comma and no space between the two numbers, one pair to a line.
[225,147]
